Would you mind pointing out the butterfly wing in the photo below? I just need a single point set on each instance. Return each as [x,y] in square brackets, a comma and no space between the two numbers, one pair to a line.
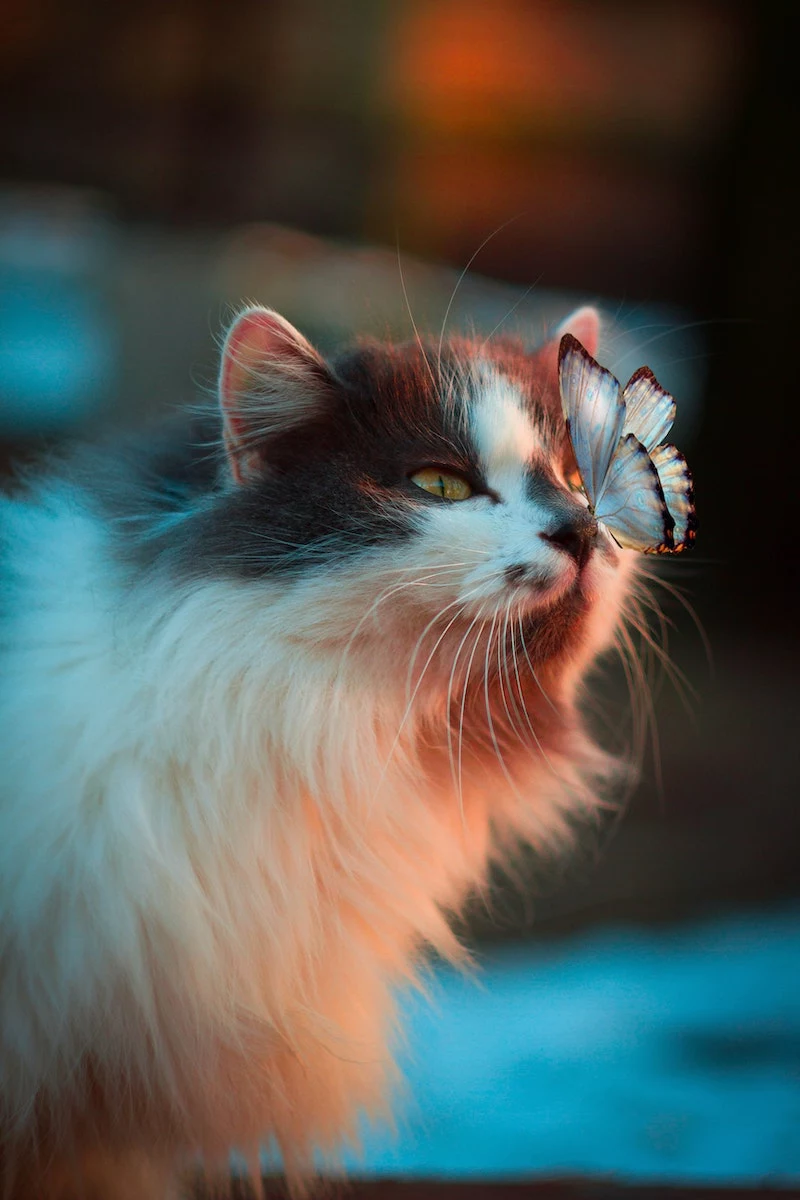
[676,484]
[631,501]
[593,409]
[650,410]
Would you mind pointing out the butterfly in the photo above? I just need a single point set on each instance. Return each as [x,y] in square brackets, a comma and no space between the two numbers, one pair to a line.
[637,485]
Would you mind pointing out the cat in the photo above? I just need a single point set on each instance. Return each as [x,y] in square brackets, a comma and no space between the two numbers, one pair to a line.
[275,691]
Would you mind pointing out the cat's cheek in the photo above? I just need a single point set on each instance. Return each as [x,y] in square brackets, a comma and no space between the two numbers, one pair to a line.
[451,548]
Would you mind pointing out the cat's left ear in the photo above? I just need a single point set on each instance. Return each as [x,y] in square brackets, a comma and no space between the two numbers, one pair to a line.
[271,380]
[583,324]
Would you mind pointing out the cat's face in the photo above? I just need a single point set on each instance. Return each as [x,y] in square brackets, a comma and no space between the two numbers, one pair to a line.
[410,499]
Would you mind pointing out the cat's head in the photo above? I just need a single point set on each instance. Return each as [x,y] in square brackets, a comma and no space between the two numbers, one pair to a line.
[408,497]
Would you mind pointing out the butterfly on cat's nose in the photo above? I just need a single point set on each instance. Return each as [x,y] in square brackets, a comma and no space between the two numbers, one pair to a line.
[637,484]
[575,535]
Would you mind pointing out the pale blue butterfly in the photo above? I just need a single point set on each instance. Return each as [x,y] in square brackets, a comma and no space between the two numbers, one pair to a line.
[638,486]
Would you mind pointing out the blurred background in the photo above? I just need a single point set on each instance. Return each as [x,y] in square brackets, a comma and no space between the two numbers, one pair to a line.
[160,162]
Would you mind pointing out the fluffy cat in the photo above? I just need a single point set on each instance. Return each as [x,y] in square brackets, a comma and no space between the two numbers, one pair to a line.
[273,693]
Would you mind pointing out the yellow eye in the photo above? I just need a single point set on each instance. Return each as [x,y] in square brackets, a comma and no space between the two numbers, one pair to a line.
[441,483]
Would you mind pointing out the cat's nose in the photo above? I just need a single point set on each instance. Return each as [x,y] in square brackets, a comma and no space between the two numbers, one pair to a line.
[575,535]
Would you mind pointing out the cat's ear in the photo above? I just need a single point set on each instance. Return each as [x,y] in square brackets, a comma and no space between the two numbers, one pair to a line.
[583,324]
[271,379]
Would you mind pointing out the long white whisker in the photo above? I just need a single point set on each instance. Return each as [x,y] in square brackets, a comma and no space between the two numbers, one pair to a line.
[676,676]
[461,278]
[419,581]
[678,595]
[460,601]
[503,643]
[534,734]
[414,324]
[647,701]
[492,732]
[509,313]
[531,668]
[460,605]
[459,779]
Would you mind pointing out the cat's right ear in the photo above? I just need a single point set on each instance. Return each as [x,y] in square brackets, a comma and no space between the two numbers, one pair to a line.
[271,379]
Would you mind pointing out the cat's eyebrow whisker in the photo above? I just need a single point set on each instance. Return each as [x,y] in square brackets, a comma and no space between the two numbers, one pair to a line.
[417,337]
[462,277]
[510,312]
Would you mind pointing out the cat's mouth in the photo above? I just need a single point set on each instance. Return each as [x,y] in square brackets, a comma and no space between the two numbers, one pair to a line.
[564,595]
[539,589]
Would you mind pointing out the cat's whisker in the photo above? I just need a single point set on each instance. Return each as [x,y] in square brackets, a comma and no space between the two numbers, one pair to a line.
[653,658]
[456,766]
[532,669]
[635,751]
[639,601]
[537,740]
[459,605]
[490,721]
[678,595]
[502,677]
[516,694]
[503,646]
[417,337]
[382,598]
[520,695]
[504,669]
[465,562]
[510,312]
[683,689]
[462,276]
[670,330]
[648,708]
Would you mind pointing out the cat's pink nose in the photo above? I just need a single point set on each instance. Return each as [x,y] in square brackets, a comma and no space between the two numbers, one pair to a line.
[575,536]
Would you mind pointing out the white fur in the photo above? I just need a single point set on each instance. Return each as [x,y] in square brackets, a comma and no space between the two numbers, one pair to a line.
[228,827]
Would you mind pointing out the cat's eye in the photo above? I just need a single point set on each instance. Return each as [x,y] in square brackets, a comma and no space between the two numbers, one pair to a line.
[442,483]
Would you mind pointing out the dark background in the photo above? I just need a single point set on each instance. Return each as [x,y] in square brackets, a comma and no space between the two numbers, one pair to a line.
[161,161]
